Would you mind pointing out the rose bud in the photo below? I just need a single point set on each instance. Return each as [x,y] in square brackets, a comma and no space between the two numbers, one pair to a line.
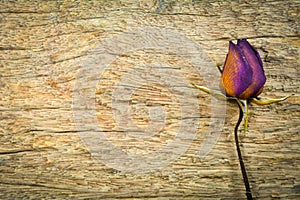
[243,75]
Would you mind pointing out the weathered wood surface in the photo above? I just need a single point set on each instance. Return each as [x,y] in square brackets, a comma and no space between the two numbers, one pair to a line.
[43,44]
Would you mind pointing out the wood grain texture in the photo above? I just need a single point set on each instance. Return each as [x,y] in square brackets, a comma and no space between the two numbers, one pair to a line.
[43,45]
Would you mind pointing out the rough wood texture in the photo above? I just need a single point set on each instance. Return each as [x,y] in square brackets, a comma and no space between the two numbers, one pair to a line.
[43,44]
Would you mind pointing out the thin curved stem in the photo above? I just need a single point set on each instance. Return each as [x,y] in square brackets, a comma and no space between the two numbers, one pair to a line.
[243,169]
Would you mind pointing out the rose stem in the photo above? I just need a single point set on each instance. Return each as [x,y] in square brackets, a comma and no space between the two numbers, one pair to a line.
[243,169]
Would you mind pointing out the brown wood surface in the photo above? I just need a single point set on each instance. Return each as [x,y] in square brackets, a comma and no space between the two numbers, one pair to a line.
[43,44]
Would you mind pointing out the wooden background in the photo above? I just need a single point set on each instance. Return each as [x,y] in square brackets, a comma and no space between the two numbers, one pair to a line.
[42,46]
